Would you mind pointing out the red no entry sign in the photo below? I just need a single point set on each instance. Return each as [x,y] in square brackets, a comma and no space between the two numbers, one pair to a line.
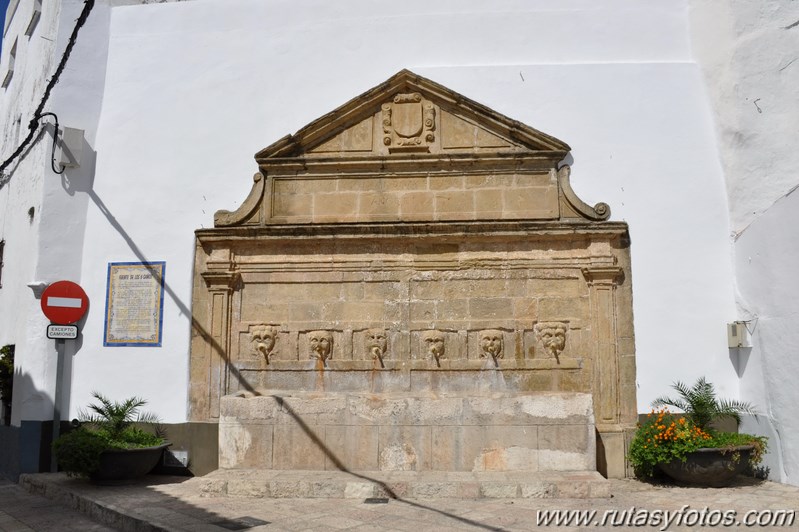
[64,302]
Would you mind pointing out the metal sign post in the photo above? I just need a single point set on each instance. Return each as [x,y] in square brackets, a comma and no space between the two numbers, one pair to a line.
[63,303]
[60,346]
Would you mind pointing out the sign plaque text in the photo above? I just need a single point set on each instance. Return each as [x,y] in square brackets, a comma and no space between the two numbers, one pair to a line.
[62,332]
[134,304]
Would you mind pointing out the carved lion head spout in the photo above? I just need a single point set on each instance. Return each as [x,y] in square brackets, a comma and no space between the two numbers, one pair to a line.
[434,344]
[552,336]
[376,343]
[321,343]
[263,339]
[491,344]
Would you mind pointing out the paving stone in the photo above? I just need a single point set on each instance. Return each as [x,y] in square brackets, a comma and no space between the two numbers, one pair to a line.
[179,506]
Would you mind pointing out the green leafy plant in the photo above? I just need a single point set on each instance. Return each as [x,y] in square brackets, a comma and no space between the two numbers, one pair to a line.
[701,406]
[106,425]
[113,417]
[6,372]
[665,436]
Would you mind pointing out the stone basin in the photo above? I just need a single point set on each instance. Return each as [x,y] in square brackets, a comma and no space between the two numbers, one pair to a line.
[291,430]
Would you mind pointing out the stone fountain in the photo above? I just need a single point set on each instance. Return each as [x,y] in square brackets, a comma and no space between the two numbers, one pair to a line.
[413,285]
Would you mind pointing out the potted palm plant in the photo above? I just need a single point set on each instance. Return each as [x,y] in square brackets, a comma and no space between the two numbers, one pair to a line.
[107,446]
[687,447]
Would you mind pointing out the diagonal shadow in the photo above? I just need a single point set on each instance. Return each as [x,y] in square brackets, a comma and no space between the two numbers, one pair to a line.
[385,487]
[5,177]
[220,352]
[184,309]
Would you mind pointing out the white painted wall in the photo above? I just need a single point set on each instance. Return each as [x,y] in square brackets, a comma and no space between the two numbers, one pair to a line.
[177,97]
[49,247]
[21,190]
[766,255]
[194,89]
[749,52]
[77,101]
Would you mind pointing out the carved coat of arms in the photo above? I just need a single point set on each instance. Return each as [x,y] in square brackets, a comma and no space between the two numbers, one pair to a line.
[409,122]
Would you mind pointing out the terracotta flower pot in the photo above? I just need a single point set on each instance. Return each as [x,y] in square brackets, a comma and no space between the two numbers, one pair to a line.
[715,467]
[126,464]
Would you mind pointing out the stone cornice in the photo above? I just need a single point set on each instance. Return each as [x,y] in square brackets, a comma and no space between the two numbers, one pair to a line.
[411,163]
[510,229]
[369,102]
[221,280]
[603,274]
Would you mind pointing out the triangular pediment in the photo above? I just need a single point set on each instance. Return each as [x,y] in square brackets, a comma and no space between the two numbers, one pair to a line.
[411,150]
[411,114]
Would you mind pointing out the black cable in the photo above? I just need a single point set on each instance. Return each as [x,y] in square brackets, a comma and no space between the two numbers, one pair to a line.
[55,140]
[34,123]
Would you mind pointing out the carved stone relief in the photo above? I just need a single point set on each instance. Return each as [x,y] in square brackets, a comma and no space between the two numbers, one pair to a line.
[552,335]
[376,342]
[321,345]
[409,122]
[450,229]
[263,339]
[491,344]
[434,345]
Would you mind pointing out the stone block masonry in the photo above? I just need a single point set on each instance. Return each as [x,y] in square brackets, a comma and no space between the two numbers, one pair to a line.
[409,280]
[407,432]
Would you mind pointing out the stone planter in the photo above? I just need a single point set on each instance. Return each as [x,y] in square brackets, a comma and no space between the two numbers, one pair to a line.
[126,464]
[713,467]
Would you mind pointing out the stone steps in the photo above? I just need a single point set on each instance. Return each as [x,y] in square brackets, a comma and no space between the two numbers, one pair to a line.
[401,484]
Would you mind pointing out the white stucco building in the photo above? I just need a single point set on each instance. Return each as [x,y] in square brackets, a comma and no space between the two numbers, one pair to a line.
[681,116]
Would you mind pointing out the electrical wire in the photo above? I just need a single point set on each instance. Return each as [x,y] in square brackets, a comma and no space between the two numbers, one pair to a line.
[33,125]
[55,140]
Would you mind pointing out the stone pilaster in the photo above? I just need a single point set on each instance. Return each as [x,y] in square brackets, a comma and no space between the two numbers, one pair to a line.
[220,286]
[611,422]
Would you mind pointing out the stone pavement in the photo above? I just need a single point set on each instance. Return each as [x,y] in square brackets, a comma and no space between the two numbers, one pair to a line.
[173,503]
[23,511]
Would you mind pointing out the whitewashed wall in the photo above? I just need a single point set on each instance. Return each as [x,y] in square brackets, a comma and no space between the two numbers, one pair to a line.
[766,255]
[194,89]
[749,52]
[185,93]
[19,309]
